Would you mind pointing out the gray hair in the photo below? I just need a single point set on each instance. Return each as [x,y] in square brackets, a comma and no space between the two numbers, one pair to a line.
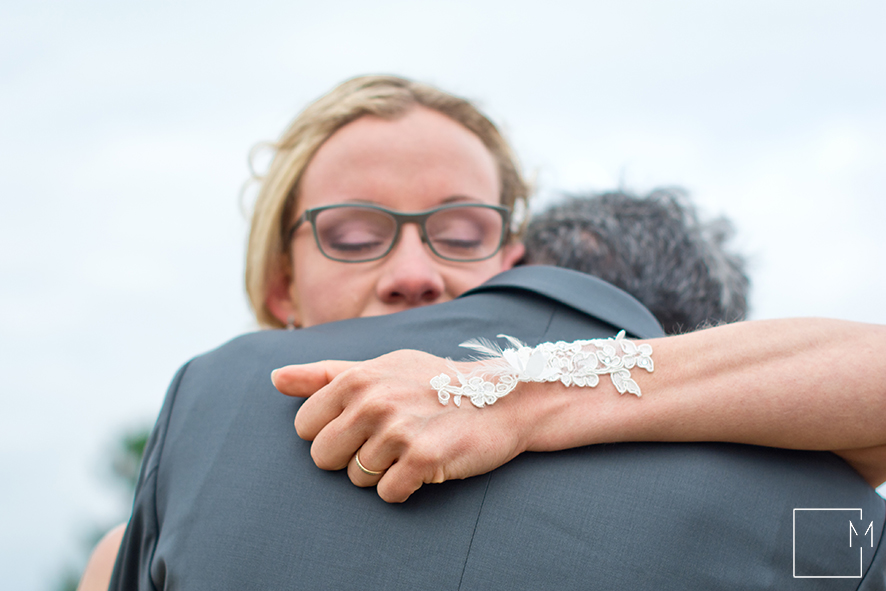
[654,248]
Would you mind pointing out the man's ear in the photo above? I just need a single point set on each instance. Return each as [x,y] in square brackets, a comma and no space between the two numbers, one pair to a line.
[512,253]
[279,299]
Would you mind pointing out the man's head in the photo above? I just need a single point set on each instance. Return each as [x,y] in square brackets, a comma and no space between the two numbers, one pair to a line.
[655,248]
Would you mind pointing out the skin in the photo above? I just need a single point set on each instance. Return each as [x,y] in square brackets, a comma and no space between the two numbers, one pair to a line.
[779,383]
[97,576]
[414,163]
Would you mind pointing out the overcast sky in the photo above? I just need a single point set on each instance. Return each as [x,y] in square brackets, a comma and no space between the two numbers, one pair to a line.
[125,129]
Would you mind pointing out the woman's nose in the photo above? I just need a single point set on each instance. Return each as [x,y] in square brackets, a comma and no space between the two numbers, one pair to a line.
[411,275]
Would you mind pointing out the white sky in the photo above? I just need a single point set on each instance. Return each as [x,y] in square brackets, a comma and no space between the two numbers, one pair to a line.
[123,142]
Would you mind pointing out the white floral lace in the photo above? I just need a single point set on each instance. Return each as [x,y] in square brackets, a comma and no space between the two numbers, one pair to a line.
[580,363]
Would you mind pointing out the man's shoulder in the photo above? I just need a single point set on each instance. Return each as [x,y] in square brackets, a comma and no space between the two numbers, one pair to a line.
[582,292]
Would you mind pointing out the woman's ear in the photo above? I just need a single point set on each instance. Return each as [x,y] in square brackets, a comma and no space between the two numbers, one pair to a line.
[511,255]
[279,299]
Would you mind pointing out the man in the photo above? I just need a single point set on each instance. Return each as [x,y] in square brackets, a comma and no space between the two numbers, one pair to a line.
[230,498]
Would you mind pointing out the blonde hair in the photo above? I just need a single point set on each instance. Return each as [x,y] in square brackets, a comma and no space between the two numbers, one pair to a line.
[389,97]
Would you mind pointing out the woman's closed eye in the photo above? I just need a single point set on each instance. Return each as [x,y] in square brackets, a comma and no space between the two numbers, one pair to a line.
[459,235]
[457,243]
[355,246]
[354,238]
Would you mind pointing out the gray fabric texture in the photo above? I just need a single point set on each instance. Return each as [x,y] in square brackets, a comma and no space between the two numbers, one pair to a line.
[229,498]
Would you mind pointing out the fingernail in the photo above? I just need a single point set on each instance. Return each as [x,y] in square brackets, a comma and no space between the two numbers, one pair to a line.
[273,374]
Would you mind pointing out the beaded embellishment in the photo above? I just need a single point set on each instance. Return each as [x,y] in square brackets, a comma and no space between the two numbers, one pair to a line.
[580,363]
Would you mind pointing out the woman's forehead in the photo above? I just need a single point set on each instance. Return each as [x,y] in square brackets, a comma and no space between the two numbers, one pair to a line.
[411,162]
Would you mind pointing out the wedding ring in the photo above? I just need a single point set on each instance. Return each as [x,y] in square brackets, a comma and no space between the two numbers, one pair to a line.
[364,468]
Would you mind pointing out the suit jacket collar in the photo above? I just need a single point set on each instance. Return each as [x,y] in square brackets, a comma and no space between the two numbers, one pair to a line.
[582,292]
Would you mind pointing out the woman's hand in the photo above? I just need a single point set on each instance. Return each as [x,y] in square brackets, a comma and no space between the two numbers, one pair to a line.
[386,410]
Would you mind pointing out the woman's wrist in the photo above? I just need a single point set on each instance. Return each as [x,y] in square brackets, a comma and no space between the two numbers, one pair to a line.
[556,395]
[556,417]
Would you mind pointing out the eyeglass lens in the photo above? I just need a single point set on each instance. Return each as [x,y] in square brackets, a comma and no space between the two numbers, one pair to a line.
[361,234]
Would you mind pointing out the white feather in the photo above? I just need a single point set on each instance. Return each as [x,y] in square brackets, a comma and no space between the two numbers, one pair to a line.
[514,341]
[487,348]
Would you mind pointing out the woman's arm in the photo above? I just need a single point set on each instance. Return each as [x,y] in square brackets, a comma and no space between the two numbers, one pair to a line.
[97,575]
[801,383]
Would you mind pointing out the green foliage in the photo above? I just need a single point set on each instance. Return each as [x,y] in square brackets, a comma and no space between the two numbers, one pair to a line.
[128,457]
[125,462]
[69,581]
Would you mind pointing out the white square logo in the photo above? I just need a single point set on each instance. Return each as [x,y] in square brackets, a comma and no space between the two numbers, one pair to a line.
[839,534]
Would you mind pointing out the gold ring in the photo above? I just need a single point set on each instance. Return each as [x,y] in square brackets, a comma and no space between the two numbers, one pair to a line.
[364,468]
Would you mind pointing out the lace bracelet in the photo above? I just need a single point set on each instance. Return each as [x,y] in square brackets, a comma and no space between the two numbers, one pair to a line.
[579,363]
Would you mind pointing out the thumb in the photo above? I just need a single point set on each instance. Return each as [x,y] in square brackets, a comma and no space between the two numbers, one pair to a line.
[305,379]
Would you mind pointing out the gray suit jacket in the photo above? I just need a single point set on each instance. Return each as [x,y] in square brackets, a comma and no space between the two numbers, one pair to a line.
[229,498]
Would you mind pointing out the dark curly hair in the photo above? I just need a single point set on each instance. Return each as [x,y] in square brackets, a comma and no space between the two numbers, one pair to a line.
[653,247]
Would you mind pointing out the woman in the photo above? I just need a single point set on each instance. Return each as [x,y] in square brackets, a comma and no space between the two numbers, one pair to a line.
[385,195]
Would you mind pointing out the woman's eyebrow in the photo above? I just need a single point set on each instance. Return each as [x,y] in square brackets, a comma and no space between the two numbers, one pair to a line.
[446,201]
[459,198]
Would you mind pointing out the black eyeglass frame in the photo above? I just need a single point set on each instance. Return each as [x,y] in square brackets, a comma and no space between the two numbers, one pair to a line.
[400,218]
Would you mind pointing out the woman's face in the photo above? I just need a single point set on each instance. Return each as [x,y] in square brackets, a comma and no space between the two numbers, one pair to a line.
[416,162]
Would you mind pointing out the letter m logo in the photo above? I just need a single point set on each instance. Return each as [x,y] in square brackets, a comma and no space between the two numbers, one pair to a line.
[854,534]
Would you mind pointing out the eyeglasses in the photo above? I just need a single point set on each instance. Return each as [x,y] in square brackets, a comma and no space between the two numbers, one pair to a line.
[463,232]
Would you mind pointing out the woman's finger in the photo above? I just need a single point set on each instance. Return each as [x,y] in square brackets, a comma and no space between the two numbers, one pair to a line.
[325,404]
[398,483]
[305,379]
[336,443]
[361,470]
